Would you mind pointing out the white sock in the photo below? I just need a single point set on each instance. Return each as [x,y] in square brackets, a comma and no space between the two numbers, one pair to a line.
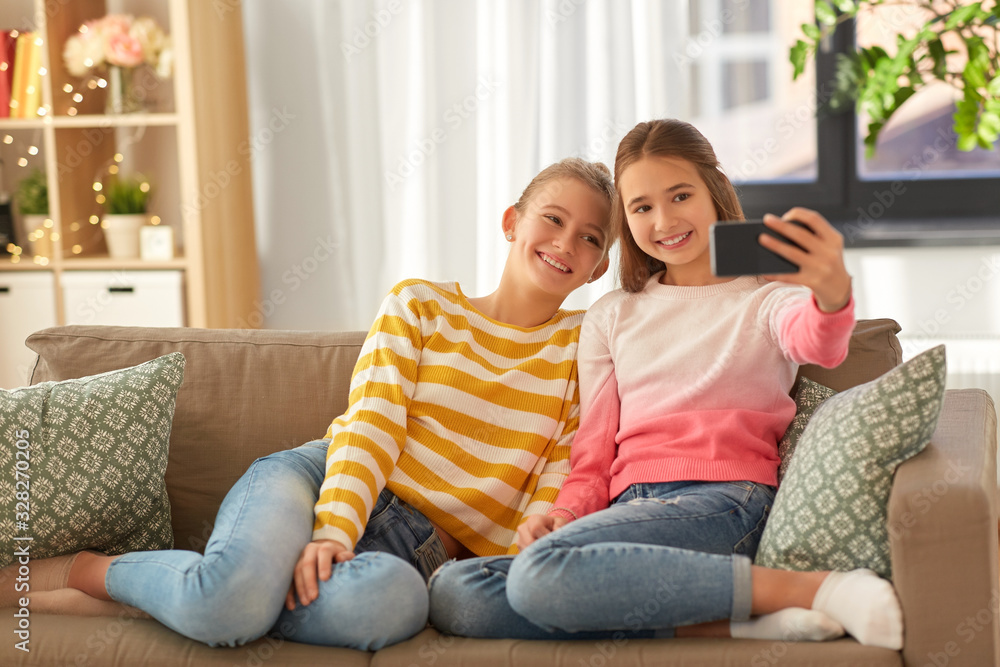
[793,624]
[865,604]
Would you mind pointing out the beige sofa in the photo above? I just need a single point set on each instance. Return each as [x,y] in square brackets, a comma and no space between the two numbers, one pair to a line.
[248,393]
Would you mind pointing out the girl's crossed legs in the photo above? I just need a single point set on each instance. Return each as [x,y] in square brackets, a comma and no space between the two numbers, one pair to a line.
[667,559]
[235,593]
[663,555]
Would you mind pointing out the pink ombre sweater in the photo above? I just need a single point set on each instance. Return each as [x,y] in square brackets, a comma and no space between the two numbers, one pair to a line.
[692,383]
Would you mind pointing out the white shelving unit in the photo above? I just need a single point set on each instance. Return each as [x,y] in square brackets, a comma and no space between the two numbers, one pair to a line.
[192,130]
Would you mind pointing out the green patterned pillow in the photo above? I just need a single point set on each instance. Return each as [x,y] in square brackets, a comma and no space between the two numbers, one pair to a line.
[83,460]
[808,396]
[830,512]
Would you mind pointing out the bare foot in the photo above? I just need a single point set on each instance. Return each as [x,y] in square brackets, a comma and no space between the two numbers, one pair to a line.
[77,603]
[88,572]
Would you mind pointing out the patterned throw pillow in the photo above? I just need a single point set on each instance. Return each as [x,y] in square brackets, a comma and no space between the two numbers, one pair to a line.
[808,396]
[83,460]
[830,512]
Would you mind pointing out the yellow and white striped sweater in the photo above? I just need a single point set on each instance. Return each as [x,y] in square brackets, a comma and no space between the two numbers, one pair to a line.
[467,419]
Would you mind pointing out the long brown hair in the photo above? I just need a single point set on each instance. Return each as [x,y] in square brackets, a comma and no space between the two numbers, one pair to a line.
[666,138]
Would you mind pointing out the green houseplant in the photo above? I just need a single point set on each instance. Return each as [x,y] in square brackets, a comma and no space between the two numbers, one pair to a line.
[126,200]
[32,194]
[127,196]
[32,199]
[878,83]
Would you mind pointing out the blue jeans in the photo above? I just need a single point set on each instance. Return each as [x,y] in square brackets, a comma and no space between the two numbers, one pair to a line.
[235,593]
[662,556]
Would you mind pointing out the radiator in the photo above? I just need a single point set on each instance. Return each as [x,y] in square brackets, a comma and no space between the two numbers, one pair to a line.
[973,360]
[973,363]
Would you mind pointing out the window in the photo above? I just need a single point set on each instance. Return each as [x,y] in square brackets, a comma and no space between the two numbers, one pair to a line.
[742,97]
[780,152]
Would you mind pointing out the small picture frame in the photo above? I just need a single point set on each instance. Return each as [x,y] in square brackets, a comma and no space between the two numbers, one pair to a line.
[156,243]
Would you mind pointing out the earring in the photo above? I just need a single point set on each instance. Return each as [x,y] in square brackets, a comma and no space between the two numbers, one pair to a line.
[510,237]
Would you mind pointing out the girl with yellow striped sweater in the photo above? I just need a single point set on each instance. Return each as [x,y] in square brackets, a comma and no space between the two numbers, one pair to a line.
[460,417]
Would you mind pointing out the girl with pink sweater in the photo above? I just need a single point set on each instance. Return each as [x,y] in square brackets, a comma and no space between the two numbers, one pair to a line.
[684,383]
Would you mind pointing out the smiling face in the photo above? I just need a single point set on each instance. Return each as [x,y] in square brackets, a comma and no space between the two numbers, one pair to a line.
[560,237]
[669,210]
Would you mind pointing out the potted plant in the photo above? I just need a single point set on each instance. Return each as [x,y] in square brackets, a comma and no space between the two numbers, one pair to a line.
[32,198]
[878,83]
[125,201]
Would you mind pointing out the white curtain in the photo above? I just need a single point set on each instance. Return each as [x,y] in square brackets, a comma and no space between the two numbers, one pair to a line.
[390,135]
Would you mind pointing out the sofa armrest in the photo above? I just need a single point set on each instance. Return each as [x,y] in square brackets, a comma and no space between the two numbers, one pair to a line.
[942,525]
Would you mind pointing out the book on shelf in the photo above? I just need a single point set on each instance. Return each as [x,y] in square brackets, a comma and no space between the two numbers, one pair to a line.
[8,41]
[33,78]
[17,79]
[26,84]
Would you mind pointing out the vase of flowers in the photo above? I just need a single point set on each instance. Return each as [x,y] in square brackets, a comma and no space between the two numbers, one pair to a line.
[116,48]
[32,198]
[126,200]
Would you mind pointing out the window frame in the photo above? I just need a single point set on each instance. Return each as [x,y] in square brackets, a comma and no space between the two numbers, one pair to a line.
[884,211]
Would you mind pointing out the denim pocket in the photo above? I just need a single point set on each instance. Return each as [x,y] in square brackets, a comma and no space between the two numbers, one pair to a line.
[384,517]
[430,555]
[740,492]
[428,552]
[759,503]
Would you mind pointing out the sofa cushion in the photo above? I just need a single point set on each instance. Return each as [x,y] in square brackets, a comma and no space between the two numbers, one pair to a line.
[249,393]
[246,394]
[125,640]
[432,648]
[809,395]
[87,459]
[830,512]
[873,351]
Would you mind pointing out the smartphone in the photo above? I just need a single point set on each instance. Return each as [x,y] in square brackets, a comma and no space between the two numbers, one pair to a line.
[736,252]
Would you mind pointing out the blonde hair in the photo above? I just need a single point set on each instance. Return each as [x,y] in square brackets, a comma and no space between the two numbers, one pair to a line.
[595,175]
[666,138]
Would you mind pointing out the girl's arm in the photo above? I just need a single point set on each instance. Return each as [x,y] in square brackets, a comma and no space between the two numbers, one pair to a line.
[556,458]
[366,442]
[586,489]
[534,522]
[820,261]
[368,438]
[818,330]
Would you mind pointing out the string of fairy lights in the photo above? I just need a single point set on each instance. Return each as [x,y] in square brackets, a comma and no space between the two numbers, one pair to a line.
[44,234]
[41,238]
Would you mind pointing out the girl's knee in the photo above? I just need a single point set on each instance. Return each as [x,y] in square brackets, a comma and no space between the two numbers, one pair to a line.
[391,606]
[371,601]
[448,589]
[469,597]
[232,626]
[528,584]
[302,457]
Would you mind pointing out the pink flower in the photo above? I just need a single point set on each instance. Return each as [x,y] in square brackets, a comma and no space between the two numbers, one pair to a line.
[119,40]
[115,24]
[124,50]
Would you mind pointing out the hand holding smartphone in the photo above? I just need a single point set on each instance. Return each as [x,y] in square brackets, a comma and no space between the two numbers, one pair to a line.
[735,250]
